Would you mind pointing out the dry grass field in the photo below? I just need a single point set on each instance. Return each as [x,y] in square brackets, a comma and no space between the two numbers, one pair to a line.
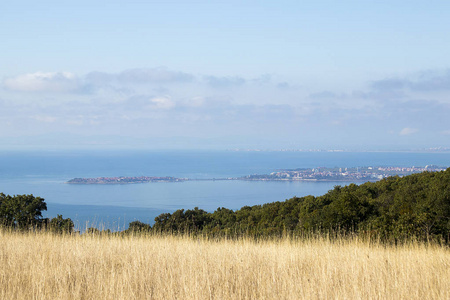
[48,266]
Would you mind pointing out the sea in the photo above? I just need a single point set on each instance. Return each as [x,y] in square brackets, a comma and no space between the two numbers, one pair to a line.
[45,173]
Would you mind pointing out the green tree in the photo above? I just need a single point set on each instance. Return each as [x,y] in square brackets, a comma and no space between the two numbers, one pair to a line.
[138,226]
[21,211]
[61,225]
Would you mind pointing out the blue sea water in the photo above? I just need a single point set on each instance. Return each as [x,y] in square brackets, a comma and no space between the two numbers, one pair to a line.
[44,174]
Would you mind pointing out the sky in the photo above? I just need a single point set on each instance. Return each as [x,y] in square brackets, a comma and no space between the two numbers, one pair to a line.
[352,75]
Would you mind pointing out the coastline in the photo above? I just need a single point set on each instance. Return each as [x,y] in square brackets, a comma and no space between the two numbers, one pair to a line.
[318,174]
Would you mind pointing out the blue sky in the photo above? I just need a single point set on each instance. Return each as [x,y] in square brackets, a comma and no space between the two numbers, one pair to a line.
[357,75]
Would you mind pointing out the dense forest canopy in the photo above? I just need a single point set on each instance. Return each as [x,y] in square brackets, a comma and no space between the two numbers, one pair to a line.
[414,206]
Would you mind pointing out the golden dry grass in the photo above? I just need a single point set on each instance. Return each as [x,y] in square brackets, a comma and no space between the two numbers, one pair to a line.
[47,266]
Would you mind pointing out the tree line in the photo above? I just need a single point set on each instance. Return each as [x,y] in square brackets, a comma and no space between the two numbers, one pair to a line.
[395,208]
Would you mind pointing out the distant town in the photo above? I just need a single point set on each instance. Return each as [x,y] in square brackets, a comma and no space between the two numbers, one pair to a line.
[342,174]
[305,174]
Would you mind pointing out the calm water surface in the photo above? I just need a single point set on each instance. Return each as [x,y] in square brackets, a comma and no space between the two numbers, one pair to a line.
[44,174]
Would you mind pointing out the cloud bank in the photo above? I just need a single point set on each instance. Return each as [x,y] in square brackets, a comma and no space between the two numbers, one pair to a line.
[58,82]
[264,111]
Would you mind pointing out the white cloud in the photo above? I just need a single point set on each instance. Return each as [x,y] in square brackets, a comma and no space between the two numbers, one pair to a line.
[136,101]
[162,102]
[42,82]
[408,131]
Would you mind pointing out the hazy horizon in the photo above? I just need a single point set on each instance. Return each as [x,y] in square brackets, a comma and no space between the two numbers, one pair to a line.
[355,76]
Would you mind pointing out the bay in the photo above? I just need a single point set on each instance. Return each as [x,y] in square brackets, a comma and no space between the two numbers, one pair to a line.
[44,173]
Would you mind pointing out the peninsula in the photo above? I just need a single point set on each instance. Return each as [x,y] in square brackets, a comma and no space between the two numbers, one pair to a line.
[353,174]
[123,180]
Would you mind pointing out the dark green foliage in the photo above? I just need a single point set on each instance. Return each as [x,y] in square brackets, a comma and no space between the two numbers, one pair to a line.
[61,225]
[138,226]
[411,207]
[96,231]
[93,231]
[416,205]
[182,221]
[21,211]
[25,212]
[342,208]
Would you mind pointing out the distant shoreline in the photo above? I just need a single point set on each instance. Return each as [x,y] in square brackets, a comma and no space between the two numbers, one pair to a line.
[220,179]
[319,174]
